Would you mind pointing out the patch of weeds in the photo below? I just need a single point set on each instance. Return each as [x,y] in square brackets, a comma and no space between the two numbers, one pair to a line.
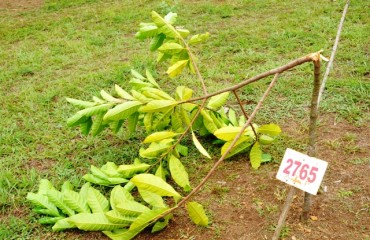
[285,231]
[344,193]
[360,161]
[280,194]
[333,144]
[258,205]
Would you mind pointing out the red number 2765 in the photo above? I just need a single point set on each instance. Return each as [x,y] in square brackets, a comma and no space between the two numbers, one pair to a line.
[303,171]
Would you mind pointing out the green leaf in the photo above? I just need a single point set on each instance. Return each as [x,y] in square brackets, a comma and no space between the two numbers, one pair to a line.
[44,187]
[147,31]
[154,184]
[178,173]
[122,111]
[183,32]
[94,179]
[137,74]
[141,222]
[98,173]
[42,201]
[62,224]
[183,150]
[176,122]
[93,222]
[164,26]
[56,198]
[115,126]
[266,157]
[171,48]
[106,96]
[154,150]
[80,103]
[265,139]
[98,100]
[227,133]
[156,93]
[197,213]
[146,218]
[115,217]
[160,172]
[84,191]
[256,156]
[242,144]
[177,68]
[42,211]
[199,146]
[157,136]
[131,208]
[122,93]
[208,121]
[170,17]
[86,126]
[115,180]
[110,169]
[49,220]
[75,201]
[119,194]
[127,171]
[232,118]
[132,122]
[157,41]
[87,112]
[183,93]
[67,185]
[139,84]
[159,225]
[152,198]
[97,202]
[196,39]
[216,102]
[272,130]
[158,105]
[150,78]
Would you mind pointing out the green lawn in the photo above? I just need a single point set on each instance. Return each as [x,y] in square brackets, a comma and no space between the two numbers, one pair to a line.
[62,49]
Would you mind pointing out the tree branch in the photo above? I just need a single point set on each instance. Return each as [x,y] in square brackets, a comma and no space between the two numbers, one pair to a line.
[245,114]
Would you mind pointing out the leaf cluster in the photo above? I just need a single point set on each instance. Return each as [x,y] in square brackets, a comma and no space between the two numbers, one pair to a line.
[167,118]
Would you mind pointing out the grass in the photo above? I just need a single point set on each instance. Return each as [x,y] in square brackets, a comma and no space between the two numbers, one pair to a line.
[76,48]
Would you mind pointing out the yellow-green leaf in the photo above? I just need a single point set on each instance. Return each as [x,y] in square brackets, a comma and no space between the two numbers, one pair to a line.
[256,156]
[197,213]
[199,146]
[178,173]
[158,105]
[216,102]
[157,136]
[227,133]
[270,129]
[177,68]
[154,184]
[122,111]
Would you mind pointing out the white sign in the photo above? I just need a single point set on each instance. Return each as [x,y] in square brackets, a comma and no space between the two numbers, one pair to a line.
[302,171]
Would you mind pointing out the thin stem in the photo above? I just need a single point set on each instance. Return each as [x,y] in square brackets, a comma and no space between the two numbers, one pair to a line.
[284,213]
[192,61]
[328,68]
[244,112]
[205,179]
[311,151]
[292,64]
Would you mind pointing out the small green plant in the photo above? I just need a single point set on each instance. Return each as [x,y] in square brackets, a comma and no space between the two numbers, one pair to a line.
[167,119]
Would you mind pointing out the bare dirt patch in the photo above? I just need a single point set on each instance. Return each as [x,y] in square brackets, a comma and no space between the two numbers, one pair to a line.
[20,4]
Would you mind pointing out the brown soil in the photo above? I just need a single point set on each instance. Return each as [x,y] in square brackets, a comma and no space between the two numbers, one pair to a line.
[20,4]
[246,204]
